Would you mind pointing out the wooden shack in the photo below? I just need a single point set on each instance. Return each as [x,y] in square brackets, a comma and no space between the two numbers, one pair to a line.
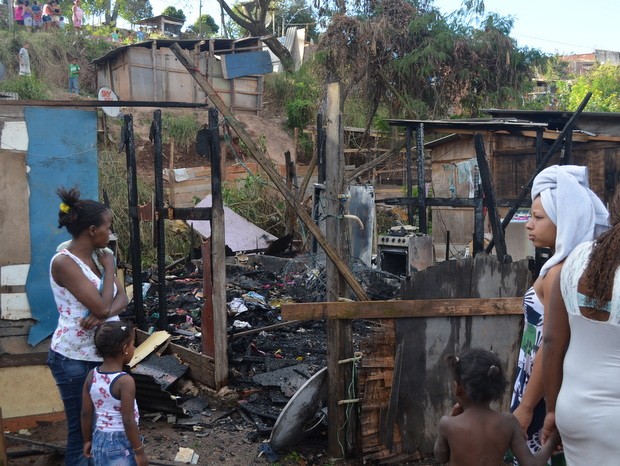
[149,71]
[513,141]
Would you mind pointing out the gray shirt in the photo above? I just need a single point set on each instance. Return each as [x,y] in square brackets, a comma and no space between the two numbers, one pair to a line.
[24,62]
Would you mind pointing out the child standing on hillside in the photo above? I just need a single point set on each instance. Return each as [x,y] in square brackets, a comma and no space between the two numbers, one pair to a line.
[111,394]
[74,74]
[473,433]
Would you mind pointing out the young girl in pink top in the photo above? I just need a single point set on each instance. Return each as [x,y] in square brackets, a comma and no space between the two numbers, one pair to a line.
[109,395]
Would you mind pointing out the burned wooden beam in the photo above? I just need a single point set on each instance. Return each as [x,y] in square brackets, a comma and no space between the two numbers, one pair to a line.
[397,309]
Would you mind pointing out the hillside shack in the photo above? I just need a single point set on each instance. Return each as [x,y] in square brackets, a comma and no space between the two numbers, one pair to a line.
[149,71]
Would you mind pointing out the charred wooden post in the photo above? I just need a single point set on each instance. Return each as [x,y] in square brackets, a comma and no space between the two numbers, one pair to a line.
[489,193]
[207,327]
[156,136]
[342,423]
[478,240]
[291,176]
[218,256]
[134,220]
[419,137]
[539,145]
[567,151]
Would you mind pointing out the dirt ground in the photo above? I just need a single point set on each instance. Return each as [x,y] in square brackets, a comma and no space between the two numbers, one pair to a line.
[227,440]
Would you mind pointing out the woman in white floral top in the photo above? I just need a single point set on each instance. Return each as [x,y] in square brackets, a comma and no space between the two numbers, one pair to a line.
[87,293]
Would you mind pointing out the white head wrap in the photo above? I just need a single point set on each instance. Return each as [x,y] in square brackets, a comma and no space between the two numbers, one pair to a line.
[576,211]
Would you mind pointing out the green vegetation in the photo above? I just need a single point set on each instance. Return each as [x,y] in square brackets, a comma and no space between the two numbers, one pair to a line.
[257,201]
[604,83]
[27,87]
[181,129]
[113,181]
[50,54]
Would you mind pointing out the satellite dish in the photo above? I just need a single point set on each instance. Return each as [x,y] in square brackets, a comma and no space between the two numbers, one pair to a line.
[107,94]
[292,423]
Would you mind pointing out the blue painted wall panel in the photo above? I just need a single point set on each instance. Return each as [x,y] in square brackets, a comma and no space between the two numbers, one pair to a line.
[62,151]
[235,65]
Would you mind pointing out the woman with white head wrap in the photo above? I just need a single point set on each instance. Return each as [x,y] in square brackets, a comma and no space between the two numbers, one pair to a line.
[565,213]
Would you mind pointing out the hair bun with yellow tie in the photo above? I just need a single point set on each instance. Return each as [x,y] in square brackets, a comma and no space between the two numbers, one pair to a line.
[65,208]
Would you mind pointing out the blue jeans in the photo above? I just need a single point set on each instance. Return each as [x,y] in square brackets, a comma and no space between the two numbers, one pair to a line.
[73,85]
[70,375]
[112,449]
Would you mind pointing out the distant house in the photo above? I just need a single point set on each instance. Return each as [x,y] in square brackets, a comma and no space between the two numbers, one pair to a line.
[167,25]
[577,65]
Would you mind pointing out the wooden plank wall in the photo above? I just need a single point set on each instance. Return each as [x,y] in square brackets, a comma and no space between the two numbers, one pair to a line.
[513,161]
[154,74]
[407,401]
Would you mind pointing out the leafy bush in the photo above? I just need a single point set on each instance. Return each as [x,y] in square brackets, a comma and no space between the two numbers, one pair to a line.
[297,94]
[27,87]
[181,129]
[113,180]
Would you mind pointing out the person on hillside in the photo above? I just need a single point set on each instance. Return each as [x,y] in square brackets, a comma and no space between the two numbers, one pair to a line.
[37,15]
[109,398]
[77,15]
[74,74]
[56,12]
[582,344]
[474,433]
[565,213]
[18,12]
[48,13]
[28,16]
[24,60]
[140,34]
[87,294]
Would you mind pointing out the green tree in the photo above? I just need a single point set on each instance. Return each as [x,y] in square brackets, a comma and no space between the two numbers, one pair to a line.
[131,10]
[604,83]
[418,63]
[205,26]
[174,13]
[135,10]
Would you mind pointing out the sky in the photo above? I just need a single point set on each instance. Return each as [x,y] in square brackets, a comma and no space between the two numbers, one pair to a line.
[556,26]
[553,26]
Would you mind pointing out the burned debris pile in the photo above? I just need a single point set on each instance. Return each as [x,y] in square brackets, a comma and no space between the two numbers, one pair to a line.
[269,360]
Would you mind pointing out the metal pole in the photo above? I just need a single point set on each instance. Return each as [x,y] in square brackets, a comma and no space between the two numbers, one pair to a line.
[408,172]
[159,220]
[134,221]
[421,178]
